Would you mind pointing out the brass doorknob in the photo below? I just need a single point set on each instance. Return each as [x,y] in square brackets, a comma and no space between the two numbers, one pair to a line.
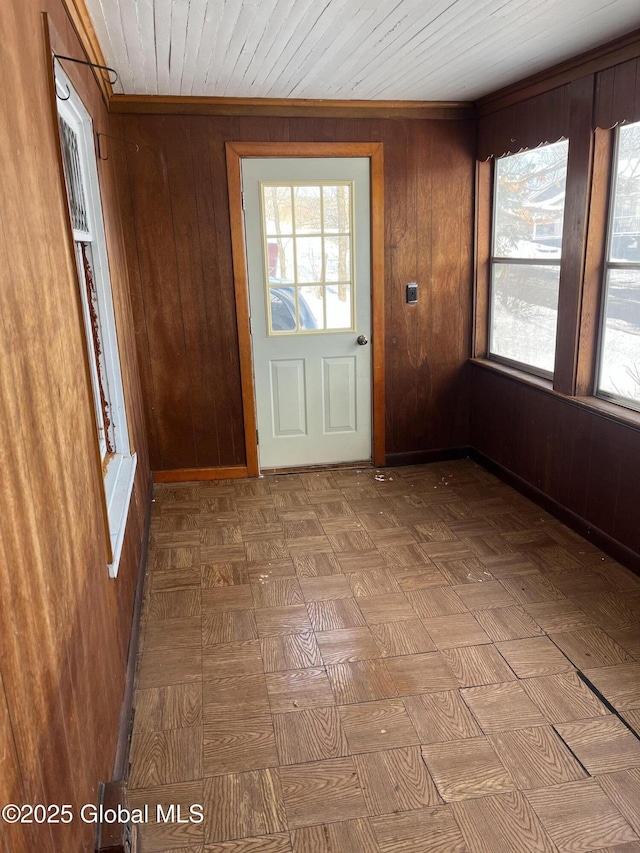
[362,340]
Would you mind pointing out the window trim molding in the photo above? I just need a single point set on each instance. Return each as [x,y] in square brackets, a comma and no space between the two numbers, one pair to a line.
[117,478]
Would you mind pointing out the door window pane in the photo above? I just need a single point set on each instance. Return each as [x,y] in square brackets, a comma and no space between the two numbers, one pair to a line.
[308,251]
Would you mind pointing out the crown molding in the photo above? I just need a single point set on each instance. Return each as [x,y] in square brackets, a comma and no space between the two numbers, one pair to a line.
[288,107]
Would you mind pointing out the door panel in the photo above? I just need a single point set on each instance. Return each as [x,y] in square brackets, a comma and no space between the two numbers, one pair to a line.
[307,226]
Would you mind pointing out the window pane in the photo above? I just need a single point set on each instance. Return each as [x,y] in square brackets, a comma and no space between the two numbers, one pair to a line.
[625,231]
[339,306]
[282,304]
[311,307]
[529,203]
[307,208]
[309,259]
[620,355]
[337,208]
[337,259]
[280,259]
[277,210]
[524,313]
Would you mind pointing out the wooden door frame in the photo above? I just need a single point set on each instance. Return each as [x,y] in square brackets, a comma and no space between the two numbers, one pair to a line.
[236,152]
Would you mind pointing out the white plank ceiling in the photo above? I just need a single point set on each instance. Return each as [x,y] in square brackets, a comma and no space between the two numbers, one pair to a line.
[346,49]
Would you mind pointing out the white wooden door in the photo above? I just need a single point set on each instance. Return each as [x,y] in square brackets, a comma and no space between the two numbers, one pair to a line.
[307,225]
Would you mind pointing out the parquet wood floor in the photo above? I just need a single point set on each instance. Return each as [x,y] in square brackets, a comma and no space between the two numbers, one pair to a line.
[415,659]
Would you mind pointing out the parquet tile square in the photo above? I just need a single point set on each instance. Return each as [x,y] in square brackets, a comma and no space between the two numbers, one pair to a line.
[228,626]
[623,789]
[441,717]
[222,598]
[629,639]
[298,689]
[502,707]
[158,835]
[176,604]
[326,588]
[173,633]
[223,574]
[428,830]
[418,577]
[346,645]
[435,601]
[239,744]
[360,681]
[386,608]
[466,768]
[619,684]
[239,658]
[228,697]
[609,610]
[316,565]
[175,578]
[274,621]
[477,665]
[395,780]
[603,745]
[425,673]
[161,667]
[536,757]
[564,697]
[310,735]
[406,637]
[484,596]
[335,614]
[504,823]
[459,630]
[347,836]
[165,757]
[534,656]
[553,616]
[322,790]
[590,648]
[372,583]
[241,805]
[372,726]
[508,623]
[276,591]
[174,707]
[290,651]
[579,816]
[528,589]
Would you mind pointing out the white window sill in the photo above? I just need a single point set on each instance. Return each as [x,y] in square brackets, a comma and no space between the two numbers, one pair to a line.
[118,486]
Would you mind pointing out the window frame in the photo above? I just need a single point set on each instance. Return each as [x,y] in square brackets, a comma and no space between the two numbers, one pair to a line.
[494,260]
[118,463]
[607,267]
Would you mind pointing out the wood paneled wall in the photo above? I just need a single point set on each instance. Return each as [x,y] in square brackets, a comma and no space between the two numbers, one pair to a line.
[174,204]
[65,624]
[582,459]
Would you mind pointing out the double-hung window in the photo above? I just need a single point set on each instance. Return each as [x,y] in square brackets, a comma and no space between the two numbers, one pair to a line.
[619,356]
[83,193]
[528,211]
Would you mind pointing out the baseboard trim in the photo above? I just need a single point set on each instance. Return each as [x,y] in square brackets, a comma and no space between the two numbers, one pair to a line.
[420,457]
[599,538]
[189,475]
[124,727]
